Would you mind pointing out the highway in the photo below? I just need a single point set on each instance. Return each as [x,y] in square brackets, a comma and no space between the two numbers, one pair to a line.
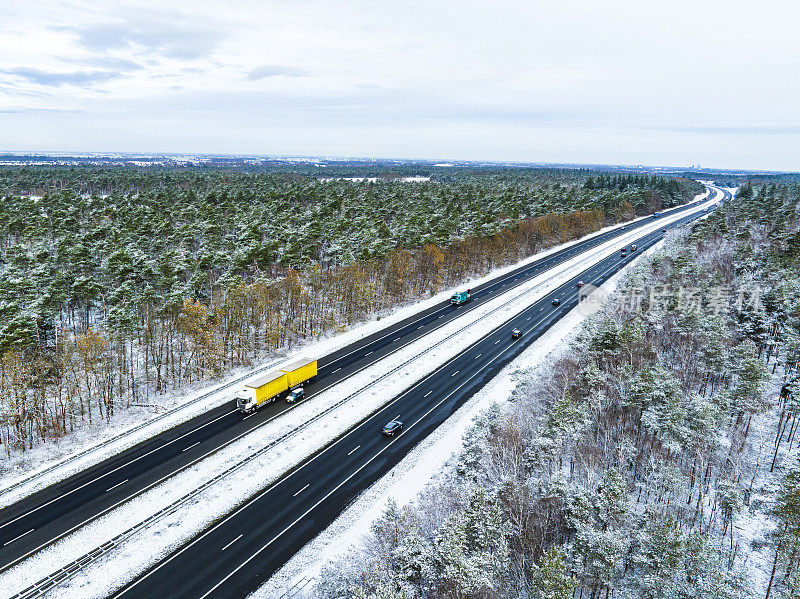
[42,518]
[238,553]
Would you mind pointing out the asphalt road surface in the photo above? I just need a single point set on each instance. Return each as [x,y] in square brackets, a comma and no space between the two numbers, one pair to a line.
[237,554]
[48,515]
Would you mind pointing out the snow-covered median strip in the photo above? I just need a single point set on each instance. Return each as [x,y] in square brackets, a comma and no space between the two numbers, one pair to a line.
[183,520]
[50,462]
[426,462]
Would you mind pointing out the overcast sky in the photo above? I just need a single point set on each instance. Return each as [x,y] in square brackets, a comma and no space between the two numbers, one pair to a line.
[634,82]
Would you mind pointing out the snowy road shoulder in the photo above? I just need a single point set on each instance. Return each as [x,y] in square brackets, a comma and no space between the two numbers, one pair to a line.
[427,461]
[52,462]
[182,524]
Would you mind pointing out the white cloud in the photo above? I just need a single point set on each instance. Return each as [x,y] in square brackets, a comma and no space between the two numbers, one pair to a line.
[275,70]
[688,82]
[57,79]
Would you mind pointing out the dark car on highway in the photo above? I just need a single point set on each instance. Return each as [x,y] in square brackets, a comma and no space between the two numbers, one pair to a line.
[392,428]
[516,334]
[296,395]
[556,301]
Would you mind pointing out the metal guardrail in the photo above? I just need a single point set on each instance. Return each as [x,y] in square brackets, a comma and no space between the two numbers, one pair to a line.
[166,414]
[71,569]
[296,588]
[129,431]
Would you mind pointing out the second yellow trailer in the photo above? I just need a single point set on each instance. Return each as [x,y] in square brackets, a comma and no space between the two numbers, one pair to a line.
[300,371]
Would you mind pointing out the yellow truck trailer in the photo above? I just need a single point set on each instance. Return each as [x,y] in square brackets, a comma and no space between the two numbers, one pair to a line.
[261,390]
[267,387]
[300,371]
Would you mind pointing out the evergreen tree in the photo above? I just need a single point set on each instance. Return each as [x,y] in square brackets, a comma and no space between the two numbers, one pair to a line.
[550,580]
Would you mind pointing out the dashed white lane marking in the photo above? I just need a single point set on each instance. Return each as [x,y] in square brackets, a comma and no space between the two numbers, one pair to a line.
[232,542]
[352,450]
[118,484]
[301,490]
[19,537]
[190,446]
[256,553]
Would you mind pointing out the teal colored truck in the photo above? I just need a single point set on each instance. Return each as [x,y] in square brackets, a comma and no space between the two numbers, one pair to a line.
[460,297]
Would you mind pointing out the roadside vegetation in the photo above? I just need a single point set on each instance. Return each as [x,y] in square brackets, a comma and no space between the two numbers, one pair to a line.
[118,285]
[657,458]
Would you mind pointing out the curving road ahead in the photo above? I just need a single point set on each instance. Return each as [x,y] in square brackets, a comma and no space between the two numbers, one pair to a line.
[241,551]
[50,514]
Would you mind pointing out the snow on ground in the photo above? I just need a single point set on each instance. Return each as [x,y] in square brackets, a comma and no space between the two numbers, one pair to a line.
[753,522]
[131,426]
[450,339]
[427,461]
[439,346]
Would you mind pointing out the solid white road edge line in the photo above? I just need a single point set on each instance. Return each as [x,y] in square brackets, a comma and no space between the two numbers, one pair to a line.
[281,481]
[291,474]
[117,468]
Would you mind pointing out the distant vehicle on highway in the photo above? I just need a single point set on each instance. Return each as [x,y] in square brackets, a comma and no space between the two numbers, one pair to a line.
[656,214]
[516,334]
[392,428]
[623,250]
[663,230]
[460,297]
[580,283]
[633,247]
[296,395]
[556,301]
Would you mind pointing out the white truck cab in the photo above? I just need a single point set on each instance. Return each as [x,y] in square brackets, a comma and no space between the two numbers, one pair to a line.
[246,400]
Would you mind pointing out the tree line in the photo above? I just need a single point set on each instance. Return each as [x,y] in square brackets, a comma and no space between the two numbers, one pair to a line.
[627,468]
[122,285]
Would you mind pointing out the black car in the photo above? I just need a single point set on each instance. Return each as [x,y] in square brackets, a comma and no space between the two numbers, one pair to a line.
[516,334]
[296,395]
[663,230]
[633,247]
[392,428]
[556,301]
